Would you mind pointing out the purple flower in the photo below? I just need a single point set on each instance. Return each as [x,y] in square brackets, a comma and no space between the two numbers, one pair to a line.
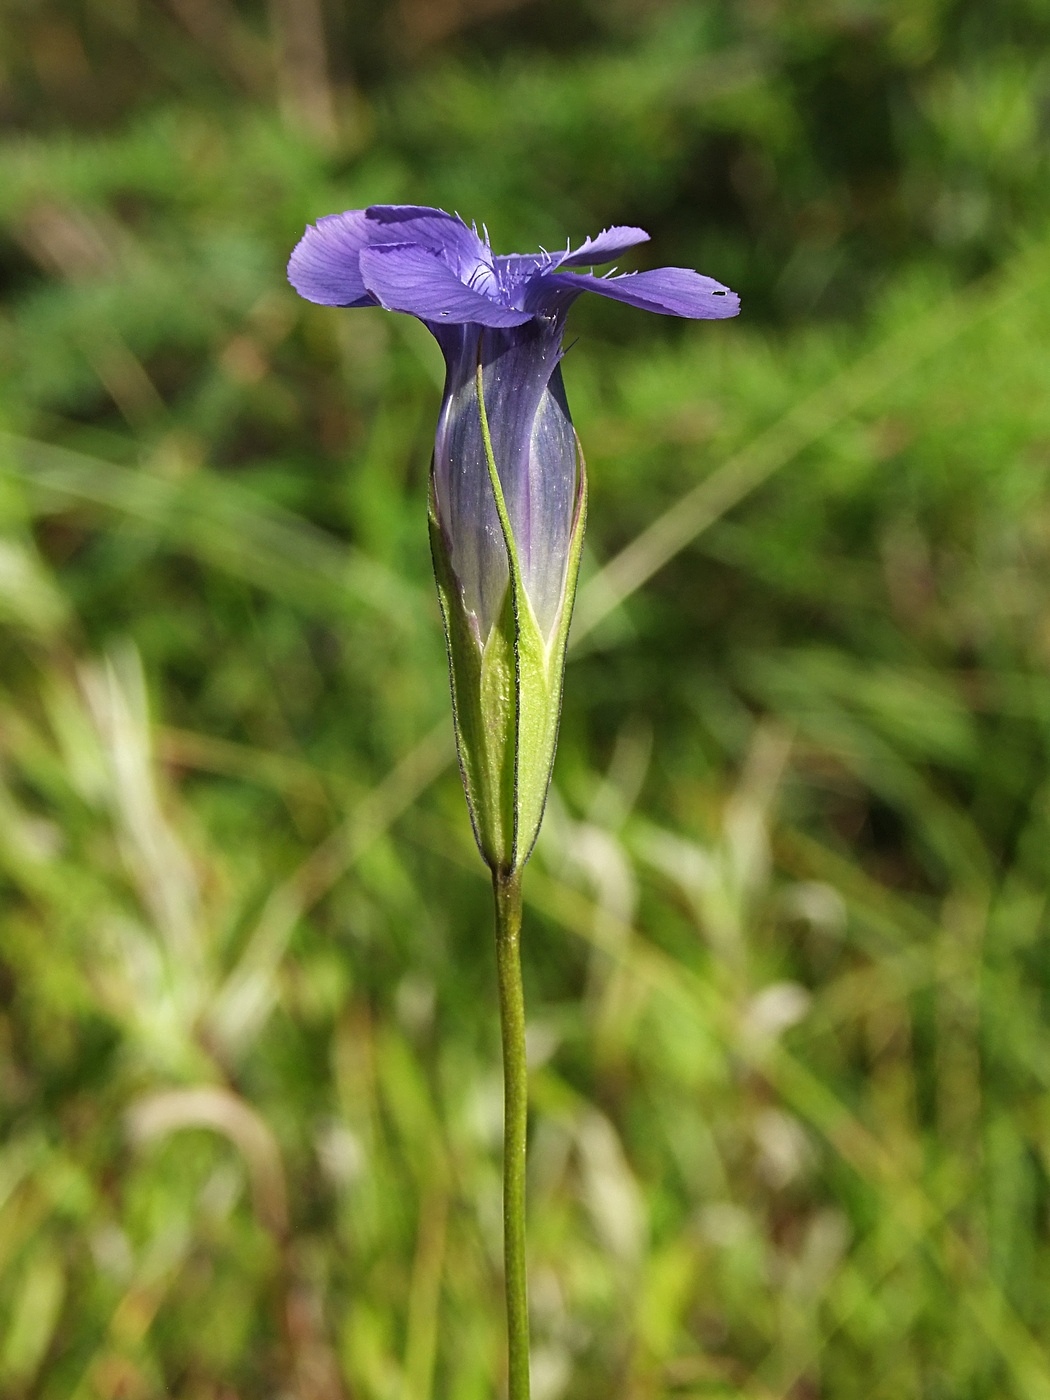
[506,314]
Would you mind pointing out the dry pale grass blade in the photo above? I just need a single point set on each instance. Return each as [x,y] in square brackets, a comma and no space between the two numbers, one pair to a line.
[220,1110]
[29,597]
[613,1197]
[162,870]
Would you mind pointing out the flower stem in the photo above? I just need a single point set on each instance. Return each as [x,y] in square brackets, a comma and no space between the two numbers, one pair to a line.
[507,890]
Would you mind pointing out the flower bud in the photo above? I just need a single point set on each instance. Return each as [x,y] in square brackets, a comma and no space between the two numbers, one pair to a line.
[508,506]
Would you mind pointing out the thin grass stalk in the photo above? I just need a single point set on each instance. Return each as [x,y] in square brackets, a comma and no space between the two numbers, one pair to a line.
[507,891]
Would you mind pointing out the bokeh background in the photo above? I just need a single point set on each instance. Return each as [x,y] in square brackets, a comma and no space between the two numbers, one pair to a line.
[786,954]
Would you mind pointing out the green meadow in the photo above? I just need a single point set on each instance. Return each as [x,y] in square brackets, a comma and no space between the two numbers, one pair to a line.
[786,949]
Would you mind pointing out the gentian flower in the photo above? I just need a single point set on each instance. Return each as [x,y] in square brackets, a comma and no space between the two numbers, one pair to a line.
[507,483]
[508,497]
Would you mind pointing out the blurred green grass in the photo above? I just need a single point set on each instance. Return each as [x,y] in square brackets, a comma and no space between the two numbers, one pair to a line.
[786,958]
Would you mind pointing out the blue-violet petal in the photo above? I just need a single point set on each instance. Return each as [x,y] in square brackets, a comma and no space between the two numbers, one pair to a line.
[429,228]
[670,291]
[324,263]
[607,246]
[406,277]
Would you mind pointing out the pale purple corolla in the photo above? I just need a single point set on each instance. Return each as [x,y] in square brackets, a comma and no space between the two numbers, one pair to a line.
[505,313]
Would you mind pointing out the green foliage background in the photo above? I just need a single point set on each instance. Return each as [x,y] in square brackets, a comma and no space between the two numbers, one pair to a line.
[786,956]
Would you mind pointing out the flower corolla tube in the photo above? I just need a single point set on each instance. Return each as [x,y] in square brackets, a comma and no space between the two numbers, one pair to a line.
[508,485]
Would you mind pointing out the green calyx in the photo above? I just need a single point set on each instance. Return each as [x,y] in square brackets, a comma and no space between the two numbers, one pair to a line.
[506,688]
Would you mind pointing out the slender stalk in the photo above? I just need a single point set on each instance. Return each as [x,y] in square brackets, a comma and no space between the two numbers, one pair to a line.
[507,890]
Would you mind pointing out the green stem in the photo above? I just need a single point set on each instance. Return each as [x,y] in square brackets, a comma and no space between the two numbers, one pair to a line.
[507,889]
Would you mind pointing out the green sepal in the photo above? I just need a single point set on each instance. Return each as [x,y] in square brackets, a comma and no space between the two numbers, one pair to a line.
[540,675]
[484,705]
[506,688]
